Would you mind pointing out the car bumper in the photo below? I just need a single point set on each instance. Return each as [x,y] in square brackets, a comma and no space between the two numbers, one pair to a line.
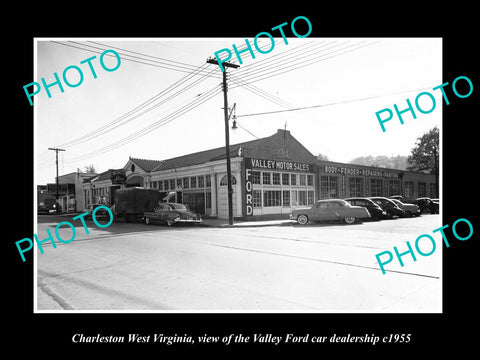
[195,221]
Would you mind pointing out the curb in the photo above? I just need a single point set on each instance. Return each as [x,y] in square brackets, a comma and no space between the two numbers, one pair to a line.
[249,224]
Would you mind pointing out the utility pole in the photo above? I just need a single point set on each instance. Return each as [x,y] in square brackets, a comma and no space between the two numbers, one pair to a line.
[56,179]
[227,136]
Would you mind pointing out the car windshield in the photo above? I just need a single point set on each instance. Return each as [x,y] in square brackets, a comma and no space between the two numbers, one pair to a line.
[178,207]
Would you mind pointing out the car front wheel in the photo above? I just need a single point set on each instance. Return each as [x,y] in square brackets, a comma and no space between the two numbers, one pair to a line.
[350,220]
[302,219]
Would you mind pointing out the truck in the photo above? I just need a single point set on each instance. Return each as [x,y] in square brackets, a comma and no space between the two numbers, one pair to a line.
[131,203]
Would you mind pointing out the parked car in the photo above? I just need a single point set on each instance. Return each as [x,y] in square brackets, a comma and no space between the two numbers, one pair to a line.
[389,206]
[171,213]
[427,205]
[331,209]
[410,209]
[398,197]
[374,209]
[43,209]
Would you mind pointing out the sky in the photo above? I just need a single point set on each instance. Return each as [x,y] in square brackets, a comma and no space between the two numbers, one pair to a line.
[164,100]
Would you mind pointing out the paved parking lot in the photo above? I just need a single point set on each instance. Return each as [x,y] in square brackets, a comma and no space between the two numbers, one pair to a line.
[279,268]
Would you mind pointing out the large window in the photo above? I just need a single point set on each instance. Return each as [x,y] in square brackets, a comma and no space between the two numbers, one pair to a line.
[293,179]
[303,179]
[302,197]
[257,198]
[408,189]
[355,186]
[328,187]
[294,200]
[274,189]
[267,178]
[393,187]
[223,182]
[272,198]
[310,197]
[376,187]
[276,178]
[422,189]
[310,180]
[256,177]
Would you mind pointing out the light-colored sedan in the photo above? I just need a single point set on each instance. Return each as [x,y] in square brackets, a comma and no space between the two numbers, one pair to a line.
[328,210]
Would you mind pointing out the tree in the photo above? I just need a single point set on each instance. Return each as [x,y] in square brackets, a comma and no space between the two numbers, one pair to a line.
[391,162]
[322,157]
[425,154]
[89,169]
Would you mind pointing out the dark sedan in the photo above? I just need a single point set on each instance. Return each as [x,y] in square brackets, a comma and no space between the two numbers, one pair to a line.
[374,209]
[171,213]
[389,206]
[427,205]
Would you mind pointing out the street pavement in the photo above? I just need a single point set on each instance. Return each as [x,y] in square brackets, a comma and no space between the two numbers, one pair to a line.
[272,266]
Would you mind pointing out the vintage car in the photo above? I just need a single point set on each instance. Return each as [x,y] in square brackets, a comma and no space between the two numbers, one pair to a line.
[427,205]
[374,209]
[389,206]
[398,197]
[171,213]
[331,209]
[410,209]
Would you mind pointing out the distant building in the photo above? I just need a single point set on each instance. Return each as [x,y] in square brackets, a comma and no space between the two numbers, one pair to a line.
[70,191]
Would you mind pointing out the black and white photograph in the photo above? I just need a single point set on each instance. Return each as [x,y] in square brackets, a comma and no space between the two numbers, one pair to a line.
[208,180]
[319,184]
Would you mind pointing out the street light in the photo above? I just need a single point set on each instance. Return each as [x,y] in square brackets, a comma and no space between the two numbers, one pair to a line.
[234,123]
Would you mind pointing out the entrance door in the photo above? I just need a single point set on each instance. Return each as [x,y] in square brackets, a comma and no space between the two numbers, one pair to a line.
[223,198]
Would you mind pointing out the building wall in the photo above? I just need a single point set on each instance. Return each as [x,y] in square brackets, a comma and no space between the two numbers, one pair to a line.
[74,202]
[202,187]
[338,180]
[276,186]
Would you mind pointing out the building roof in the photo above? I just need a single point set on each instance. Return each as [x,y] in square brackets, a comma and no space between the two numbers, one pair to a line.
[146,164]
[106,175]
[280,146]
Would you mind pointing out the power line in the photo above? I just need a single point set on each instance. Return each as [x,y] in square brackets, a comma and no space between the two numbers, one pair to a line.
[300,63]
[186,68]
[192,67]
[121,120]
[330,104]
[260,92]
[148,129]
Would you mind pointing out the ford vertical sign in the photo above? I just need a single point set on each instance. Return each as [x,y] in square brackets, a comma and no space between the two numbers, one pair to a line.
[248,188]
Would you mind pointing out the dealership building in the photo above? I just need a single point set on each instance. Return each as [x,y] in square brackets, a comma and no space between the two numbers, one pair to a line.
[270,177]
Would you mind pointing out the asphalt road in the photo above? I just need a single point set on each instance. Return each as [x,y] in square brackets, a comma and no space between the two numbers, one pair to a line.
[282,268]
